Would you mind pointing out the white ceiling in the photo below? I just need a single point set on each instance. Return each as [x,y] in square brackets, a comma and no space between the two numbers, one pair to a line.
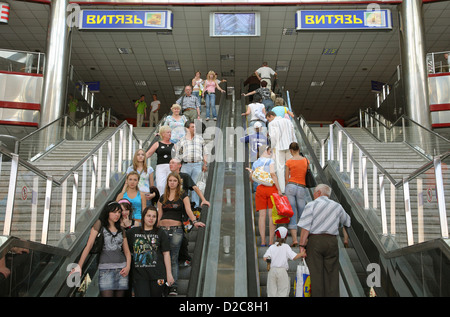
[362,56]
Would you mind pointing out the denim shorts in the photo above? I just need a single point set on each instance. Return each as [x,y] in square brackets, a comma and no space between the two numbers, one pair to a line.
[110,279]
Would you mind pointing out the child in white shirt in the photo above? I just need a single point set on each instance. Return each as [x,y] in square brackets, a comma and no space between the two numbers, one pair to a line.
[278,283]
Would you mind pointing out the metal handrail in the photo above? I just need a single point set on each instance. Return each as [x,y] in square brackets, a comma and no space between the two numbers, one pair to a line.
[392,125]
[363,184]
[61,182]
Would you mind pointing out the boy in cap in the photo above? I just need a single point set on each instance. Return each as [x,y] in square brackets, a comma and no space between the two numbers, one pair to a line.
[278,283]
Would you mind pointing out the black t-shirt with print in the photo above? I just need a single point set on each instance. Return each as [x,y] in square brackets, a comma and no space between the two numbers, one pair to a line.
[173,210]
[147,249]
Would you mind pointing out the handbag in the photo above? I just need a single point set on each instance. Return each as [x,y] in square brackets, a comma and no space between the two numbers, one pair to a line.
[302,283]
[310,181]
[262,177]
[283,206]
[201,184]
[98,243]
[277,218]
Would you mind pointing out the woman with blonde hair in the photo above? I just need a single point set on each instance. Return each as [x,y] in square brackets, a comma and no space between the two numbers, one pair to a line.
[133,195]
[171,207]
[176,122]
[163,150]
[145,174]
[210,94]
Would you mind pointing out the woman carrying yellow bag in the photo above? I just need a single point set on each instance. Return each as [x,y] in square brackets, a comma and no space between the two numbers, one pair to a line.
[263,202]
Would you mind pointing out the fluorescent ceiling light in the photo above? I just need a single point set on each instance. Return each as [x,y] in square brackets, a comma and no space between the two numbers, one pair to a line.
[125,50]
[178,90]
[317,83]
[173,66]
[282,66]
[226,57]
[288,31]
[140,83]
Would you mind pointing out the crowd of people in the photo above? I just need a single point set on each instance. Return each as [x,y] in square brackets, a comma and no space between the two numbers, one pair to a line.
[143,228]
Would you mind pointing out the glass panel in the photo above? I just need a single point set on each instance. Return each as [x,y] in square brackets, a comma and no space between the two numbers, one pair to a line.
[24,62]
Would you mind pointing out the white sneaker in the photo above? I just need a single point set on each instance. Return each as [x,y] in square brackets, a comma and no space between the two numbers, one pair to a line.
[207,118]
[215,119]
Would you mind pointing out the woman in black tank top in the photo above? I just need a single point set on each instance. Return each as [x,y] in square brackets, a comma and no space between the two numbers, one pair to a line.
[163,150]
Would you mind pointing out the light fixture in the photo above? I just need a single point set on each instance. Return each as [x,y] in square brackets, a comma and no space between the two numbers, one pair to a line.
[140,83]
[173,66]
[125,50]
[178,90]
[282,66]
[317,83]
[288,31]
[226,57]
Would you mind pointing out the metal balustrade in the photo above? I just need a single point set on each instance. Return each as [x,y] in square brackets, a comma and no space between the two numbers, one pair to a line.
[404,129]
[390,204]
[78,191]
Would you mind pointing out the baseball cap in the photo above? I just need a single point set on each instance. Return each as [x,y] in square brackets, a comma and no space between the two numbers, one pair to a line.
[257,124]
[281,232]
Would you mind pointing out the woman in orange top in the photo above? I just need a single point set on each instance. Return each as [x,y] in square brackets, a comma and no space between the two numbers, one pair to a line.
[295,190]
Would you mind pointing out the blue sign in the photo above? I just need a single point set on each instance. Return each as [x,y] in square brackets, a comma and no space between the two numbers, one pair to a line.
[126,20]
[343,20]
[94,86]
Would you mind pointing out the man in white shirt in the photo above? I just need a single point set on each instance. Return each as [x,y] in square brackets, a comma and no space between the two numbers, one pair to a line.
[281,134]
[265,73]
[154,108]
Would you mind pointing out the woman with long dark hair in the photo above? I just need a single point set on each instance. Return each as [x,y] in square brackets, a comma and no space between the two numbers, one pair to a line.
[171,206]
[115,259]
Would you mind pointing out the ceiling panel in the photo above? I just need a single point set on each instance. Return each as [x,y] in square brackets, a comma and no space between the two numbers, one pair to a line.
[361,56]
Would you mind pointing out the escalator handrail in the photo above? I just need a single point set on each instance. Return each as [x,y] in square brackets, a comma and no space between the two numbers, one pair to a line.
[253,283]
[194,282]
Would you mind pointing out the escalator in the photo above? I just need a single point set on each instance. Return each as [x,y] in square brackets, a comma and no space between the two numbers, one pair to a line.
[392,222]
[352,258]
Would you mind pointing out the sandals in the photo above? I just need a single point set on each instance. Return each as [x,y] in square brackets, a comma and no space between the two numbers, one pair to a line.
[295,244]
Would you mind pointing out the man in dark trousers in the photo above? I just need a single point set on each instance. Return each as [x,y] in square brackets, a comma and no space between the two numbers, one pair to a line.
[320,222]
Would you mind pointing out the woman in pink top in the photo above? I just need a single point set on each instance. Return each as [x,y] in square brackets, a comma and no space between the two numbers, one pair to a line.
[210,93]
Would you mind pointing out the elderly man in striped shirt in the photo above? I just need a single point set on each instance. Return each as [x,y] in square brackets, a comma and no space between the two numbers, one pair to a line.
[320,222]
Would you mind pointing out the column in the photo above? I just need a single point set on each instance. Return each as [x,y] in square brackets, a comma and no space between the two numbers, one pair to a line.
[413,60]
[56,64]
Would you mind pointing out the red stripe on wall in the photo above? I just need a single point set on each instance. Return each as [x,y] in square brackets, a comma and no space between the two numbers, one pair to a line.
[440,125]
[28,124]
[20,105]
[20,73]
[440,107]
[438,74]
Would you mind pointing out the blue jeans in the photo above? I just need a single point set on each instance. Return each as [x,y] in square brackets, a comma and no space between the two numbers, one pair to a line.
[194,170]
[210,102]
[175,238]
[197,94]
[297,199]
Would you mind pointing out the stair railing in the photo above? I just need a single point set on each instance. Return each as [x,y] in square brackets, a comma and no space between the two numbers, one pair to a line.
[404,129]
[51,216]
[42,140]
[373,187]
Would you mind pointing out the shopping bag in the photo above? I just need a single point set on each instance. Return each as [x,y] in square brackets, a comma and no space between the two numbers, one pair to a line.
[302,283]
[201,183]
[283,206]
[276,218]
[260,176]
